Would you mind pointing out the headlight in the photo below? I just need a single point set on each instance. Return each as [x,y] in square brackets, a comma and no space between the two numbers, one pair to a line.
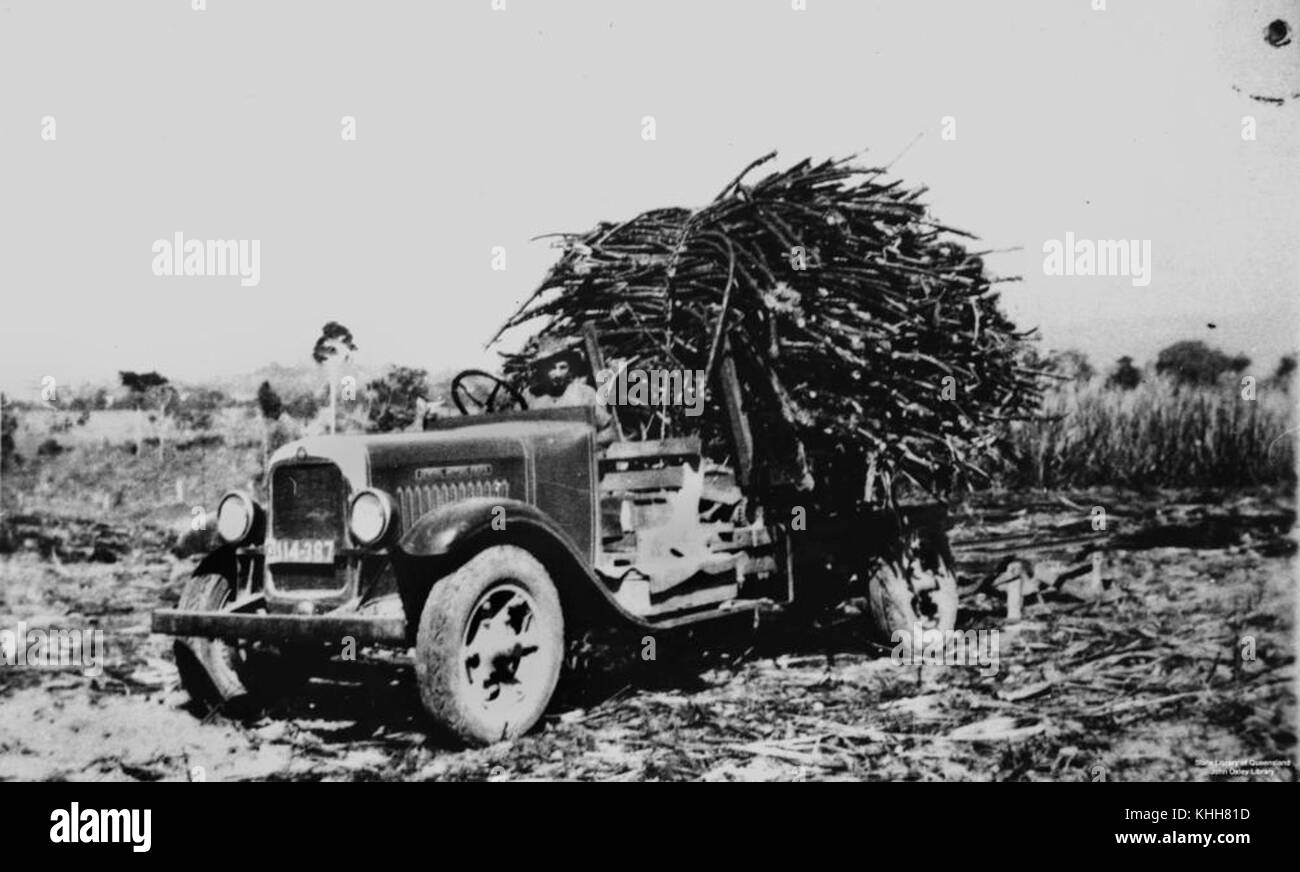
[237,517]
[370,516]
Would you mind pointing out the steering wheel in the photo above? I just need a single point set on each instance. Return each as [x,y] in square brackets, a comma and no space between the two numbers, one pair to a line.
[484,404]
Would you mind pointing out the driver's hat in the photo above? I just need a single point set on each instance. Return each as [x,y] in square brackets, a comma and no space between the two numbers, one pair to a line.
[548,348]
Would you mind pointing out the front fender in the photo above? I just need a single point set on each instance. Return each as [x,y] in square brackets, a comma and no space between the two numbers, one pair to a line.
[466,527]
[223,561]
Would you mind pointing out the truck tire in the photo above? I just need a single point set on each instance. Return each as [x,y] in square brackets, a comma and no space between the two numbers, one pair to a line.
[901,596]
[208,667]
[217,673]
[490,646]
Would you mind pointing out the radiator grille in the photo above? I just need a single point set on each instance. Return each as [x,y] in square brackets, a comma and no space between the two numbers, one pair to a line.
[308,502]
[416,500]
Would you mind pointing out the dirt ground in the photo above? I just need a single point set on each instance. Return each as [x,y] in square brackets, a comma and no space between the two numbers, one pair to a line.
[1173,651]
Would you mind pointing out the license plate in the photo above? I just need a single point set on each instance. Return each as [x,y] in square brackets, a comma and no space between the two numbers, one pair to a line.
[299,551]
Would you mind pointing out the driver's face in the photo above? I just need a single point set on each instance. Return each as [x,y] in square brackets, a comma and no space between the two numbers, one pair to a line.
[557,375]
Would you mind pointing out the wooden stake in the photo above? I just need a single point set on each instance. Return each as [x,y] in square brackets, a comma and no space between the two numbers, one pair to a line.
[1015,597]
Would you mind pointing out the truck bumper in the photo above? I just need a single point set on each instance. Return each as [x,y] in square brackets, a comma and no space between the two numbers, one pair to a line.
[363,629]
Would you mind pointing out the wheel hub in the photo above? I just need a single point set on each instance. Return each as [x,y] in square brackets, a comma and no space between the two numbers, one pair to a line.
[502,640]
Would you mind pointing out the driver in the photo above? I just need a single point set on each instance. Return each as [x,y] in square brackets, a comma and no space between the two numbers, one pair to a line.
[555,384]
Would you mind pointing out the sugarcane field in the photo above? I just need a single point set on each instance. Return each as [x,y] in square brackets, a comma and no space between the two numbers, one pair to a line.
[728,392]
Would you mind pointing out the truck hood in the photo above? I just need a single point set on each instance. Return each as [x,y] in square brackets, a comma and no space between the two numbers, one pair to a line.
[358,456]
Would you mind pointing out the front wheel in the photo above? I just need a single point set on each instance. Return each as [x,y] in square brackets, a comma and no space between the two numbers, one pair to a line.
[490,646]
[235,677]
[209,668]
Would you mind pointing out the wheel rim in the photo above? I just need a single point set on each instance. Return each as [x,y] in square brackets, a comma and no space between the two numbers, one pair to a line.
[505,660]
[914,595]
[929,597]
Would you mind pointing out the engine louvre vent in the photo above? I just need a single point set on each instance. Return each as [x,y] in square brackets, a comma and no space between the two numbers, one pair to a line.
[416,500]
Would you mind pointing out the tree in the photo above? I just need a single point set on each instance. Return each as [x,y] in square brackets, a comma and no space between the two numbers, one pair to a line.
[333,348]
[1057,367]
[1285,369]
[149,391]
[1192,362]
[269,402]
[8,426]
[395,398]
[139,384]
[1125,375]
[1073,364]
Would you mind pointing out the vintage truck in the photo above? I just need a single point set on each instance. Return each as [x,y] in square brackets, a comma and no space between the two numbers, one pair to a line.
[486,542]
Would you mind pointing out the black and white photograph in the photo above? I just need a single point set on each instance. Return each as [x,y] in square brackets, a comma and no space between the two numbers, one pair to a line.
[627,391]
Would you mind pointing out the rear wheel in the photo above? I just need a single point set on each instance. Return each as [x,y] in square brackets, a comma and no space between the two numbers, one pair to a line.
[903,594]
[490,646]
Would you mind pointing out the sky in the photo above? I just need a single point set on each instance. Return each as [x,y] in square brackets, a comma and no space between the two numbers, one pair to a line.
[478,128]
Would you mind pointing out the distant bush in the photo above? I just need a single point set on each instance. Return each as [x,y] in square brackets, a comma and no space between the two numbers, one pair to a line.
[88,400]
[1125,375]
[304,407]
[1192,362]
[49,448]
[280,432]
[195,410]
[8,426]
[1070,364]
[203,440]
[1285,370]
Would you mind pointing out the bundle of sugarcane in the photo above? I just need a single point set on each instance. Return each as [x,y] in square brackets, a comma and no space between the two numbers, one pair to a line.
[864,338]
